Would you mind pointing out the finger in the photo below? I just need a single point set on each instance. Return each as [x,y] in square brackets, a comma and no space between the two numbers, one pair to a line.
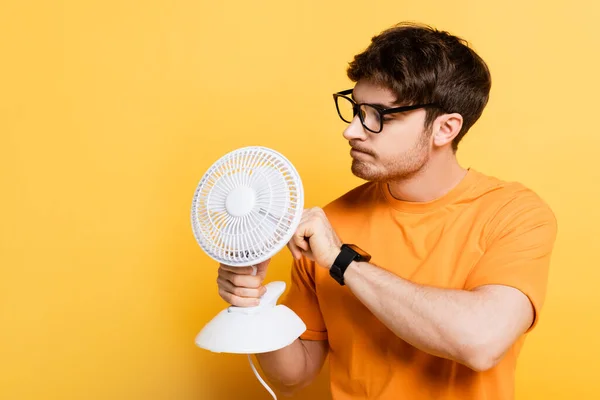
[301,241]
[247,281]
[303,233]
[261,268]
[294,249]
[240,291]
[237,270]
[298,236]
[238,301]
[299,244]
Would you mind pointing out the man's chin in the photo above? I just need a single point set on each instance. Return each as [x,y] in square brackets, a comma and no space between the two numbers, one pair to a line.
[362,171]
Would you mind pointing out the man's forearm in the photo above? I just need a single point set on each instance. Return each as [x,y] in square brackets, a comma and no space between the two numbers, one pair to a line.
[284,368]
[293,367]
[447,323]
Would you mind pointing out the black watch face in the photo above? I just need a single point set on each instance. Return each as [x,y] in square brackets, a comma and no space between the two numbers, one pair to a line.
[363,254]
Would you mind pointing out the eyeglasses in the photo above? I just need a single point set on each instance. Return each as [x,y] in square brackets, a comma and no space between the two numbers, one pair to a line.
[370,115]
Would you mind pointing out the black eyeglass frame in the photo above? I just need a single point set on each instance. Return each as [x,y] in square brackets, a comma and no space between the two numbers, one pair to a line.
[381,111]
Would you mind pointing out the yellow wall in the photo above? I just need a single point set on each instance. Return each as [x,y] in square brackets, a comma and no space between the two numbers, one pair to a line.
[110,112]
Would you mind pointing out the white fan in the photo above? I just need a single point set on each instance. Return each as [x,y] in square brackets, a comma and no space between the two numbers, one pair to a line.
[245,209]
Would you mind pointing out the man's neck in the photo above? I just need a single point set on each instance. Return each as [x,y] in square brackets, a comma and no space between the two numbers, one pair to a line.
[438,177]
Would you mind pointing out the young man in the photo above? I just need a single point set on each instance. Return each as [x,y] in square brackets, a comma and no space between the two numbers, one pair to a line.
[423,282]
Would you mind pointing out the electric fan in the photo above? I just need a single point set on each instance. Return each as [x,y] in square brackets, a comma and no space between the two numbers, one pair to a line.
[245,209]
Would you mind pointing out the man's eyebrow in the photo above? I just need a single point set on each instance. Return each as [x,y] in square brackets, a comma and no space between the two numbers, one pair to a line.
[380,105]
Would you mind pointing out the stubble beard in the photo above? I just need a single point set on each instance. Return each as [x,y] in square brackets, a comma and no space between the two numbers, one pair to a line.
[401,168]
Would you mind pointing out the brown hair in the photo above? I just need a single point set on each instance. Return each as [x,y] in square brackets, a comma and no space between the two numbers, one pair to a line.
[421,64]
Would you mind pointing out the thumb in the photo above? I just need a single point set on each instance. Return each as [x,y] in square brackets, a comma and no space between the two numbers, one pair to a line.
[261,268]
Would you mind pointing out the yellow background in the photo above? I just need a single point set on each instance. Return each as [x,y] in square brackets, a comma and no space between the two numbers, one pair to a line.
[111,111]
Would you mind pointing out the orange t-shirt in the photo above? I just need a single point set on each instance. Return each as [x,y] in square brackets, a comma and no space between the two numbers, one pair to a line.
[484,231]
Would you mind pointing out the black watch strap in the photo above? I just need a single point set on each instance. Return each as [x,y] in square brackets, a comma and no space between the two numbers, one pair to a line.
[348,253]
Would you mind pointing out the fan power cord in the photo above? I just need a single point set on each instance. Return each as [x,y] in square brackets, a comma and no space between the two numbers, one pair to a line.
[261,379]
[254,271]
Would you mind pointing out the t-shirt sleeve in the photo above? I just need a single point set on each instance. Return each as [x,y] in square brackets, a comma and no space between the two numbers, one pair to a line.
[302,299]
[518,252]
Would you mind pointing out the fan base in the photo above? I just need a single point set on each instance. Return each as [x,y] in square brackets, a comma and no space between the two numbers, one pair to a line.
[251,330]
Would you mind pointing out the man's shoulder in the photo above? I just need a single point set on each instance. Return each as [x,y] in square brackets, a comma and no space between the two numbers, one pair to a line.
[510,198]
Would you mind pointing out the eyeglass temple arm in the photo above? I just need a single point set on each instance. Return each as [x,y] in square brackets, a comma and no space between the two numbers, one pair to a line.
[407,108]
[344,92]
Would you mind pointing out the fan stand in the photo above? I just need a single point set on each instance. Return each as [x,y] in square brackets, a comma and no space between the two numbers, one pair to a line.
[251,330]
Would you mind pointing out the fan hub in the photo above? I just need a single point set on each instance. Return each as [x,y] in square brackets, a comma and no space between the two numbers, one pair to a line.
[240,201]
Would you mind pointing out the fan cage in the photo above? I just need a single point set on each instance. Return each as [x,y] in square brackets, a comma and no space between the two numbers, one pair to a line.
[266,229]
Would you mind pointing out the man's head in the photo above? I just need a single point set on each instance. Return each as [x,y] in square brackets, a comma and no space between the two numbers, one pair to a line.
[408,65]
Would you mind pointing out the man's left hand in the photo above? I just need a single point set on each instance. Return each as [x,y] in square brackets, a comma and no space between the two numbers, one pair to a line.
[315,238]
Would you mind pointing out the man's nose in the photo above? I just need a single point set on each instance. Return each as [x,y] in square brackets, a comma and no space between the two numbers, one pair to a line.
[355,130]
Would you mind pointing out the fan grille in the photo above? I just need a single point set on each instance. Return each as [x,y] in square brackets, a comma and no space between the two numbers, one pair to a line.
[269,191]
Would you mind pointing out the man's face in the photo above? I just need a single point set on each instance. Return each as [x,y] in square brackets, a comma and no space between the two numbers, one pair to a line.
[400,150]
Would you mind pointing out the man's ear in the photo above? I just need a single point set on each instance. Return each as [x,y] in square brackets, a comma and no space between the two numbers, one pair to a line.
[446,128]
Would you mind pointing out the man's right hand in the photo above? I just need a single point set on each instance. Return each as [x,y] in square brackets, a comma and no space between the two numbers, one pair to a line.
[239,287]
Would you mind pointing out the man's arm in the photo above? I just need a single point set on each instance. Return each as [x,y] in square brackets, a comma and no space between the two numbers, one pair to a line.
[473,327]
[295,366]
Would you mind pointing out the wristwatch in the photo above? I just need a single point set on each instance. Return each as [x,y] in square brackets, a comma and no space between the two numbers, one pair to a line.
[348,253]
